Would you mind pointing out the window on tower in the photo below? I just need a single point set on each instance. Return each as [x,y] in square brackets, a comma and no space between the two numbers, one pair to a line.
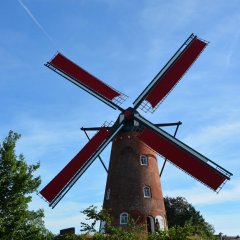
[124,218]
[147,192]
[108,194]
[144,160]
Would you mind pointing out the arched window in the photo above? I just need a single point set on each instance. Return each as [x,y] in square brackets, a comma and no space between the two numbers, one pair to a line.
[124,218]
[108,194]
[147,192]
[144,160]
[102,226]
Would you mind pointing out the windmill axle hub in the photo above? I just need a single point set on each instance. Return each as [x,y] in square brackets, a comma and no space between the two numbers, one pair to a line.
[127,117]
[129,114]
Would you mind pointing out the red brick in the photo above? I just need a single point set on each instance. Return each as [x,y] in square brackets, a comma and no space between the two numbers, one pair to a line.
[127,178]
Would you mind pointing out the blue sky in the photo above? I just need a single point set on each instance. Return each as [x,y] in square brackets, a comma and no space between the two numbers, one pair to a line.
[124,43]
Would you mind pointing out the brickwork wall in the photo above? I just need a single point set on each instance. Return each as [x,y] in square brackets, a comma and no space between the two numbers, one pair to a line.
[127,178]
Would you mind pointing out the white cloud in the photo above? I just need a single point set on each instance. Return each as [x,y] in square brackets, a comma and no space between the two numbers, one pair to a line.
[199,195]
[221,222]
[157,14]
[208,137]
[59,218]
[220,37]
[39,137]
[221,210]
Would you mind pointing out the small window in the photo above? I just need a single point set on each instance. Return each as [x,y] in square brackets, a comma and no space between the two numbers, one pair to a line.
[144,160]
[108,194]
[124,218]
[102,227]
[147,192]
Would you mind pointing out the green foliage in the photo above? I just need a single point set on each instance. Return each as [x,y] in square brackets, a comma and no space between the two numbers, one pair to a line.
[95,216]
[188,231]
[133,231]
[181,213]
[191,227]
[70,237]
[17,183]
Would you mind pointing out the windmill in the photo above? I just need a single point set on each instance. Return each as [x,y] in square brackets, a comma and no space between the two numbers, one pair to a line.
[133,186]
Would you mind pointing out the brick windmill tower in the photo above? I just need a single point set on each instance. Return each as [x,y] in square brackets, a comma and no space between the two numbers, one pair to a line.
[133,186]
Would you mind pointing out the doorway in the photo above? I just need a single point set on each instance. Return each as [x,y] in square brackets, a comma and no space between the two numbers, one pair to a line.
[150,224]
[161,222]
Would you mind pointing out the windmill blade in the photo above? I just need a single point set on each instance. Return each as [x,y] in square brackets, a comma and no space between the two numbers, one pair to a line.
[184,157]
[77,75]
[54,191]
[170,74]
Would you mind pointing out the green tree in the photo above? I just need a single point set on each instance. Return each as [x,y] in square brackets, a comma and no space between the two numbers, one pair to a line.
[133,231]
[180,213]
[187,231]
[16,184]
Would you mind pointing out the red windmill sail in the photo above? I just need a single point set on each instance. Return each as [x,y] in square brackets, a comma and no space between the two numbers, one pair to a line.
[77,166]
[178,153]
[69,171]
[85,80]
[185,158]
[171,73]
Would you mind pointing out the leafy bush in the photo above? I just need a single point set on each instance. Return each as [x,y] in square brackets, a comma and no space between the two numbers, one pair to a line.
[134,231]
